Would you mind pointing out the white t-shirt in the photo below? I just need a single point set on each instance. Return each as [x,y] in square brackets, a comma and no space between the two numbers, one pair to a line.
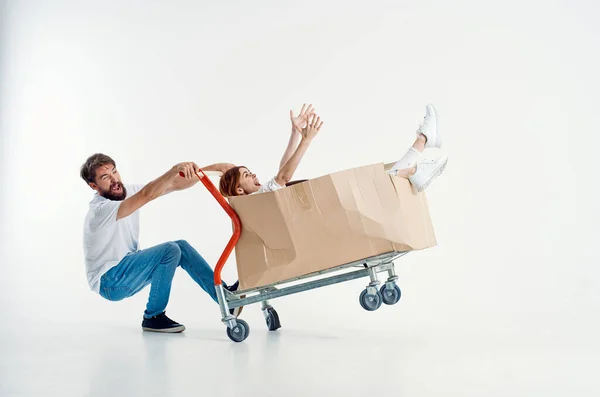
[270,186]
[105,240]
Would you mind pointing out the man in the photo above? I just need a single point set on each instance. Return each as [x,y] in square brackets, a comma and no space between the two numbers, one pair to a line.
[116,267]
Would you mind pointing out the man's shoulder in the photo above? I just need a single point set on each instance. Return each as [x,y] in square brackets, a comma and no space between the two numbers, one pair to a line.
[100,206]
[97,200]
[101,209]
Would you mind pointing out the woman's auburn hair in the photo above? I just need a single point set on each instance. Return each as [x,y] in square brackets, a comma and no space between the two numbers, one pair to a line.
[230,181]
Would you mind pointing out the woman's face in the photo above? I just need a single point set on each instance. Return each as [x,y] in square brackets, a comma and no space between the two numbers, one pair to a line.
[248,182]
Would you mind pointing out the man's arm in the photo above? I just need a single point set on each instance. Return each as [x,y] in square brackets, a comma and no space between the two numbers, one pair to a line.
[184,183]
[156,188]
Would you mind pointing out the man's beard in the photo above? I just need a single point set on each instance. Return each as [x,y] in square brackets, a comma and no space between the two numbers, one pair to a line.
[108,194]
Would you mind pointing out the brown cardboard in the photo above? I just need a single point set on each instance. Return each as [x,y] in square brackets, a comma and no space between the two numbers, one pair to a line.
[326,222]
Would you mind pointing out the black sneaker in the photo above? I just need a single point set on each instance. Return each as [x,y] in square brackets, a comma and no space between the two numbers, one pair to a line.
[233,287]
[161,323]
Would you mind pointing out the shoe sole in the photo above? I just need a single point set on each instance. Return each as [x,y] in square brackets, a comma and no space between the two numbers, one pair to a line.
[173,330]
[438,171]
[438,141]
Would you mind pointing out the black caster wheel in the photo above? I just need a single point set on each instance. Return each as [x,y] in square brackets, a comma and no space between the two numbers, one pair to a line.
[369,301]
[272,319]
[239,332]
[390,296]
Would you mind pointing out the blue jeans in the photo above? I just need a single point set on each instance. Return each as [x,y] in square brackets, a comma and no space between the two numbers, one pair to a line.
[156,266]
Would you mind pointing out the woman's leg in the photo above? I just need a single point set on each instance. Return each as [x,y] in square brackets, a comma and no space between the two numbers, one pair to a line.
[421,171]
[412,156]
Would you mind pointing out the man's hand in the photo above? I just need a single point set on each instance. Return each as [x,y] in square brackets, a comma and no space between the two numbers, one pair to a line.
[187,170]
[299,122]
[313,126]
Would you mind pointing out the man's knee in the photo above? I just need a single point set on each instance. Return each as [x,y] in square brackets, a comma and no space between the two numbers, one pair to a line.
[183,245]
[188,251]
[172,252]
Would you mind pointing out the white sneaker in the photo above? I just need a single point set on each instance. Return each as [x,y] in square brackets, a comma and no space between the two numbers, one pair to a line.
[429,128]
[427,171]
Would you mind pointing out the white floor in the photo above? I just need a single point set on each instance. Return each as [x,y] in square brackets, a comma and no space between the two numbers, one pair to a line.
[317,352]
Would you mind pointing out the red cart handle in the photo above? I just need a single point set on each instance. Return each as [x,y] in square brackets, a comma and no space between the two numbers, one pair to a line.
[237,225]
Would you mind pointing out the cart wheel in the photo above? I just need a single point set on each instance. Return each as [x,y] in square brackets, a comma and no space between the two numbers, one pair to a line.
[369,301]
[390,296]
[239,332]
[272,319]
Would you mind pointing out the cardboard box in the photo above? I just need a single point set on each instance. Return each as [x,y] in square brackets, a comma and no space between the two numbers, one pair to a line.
[326,222]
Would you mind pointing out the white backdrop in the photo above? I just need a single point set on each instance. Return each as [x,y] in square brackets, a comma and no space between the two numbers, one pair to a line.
[152,84]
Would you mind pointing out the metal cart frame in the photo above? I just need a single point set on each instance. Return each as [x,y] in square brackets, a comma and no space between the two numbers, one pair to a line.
[370,298]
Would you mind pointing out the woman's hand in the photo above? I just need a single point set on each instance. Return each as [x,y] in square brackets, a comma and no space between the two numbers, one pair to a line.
[313,126]
[299,122]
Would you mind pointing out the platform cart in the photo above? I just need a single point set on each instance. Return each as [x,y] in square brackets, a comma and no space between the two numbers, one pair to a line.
[371,298]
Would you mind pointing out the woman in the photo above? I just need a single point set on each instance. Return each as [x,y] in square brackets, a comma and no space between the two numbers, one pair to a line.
[420,171]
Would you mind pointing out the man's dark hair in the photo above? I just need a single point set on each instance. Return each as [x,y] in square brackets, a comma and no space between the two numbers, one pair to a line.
[88,169]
